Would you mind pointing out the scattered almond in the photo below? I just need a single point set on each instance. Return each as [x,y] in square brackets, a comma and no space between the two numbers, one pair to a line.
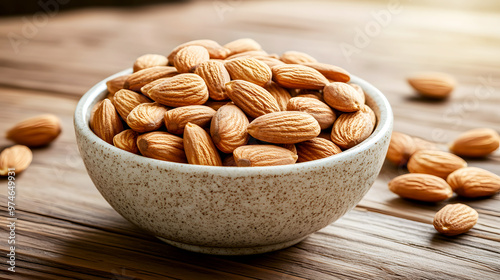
[17,158]
[401,148]
[37,131]
[263,155]
[434,162]
[454,219]
[423,187]
[479,142]
[433,84]
[474,182]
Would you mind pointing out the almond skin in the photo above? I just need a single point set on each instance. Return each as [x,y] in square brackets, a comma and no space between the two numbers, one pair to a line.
[436,163]
[479,142]
[18,157]
[142,77]
[181,90]
[401,148]
[105,121]
[422,187]
[298,77]
[367,110]
[454,219]
[350,129]
[215,75]
[361,92]
[116,84]
[263,155]
[316,148]
[229,128]
[319,110]
[146,117]
[145,89]
[281,95]
[126,100]
[474,182]
[177,118]
[127,140]
[242,45]
[433,84]
[249,69]
[295,57]
[149,60]
[36,131]
[215,50]
[331,72]
[284,127]
[188,58]
[342,97]
[251,98]
[200,149]
[162,145]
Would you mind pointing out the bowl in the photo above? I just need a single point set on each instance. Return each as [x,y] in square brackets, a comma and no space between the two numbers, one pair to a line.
[232,210]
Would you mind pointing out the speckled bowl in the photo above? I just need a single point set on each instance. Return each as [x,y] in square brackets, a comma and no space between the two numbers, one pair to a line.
[232,210]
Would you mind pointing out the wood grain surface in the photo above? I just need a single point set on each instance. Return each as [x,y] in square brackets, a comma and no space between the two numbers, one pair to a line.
[66,230]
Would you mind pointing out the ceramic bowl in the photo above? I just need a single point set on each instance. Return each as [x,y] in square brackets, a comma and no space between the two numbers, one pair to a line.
[232,210]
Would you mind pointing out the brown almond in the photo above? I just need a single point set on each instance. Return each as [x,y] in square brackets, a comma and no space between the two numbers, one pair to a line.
[142,77]
[433,84]
[474,182]
[367,110]
[127,140]
[146,117]
[116,84]
[162,145]
[249,69]
[316,148]
[36,131]
[247,54]
[15,159]
[229,128]
[421,144]
[181,90]
[281,95]
[436,163]
[106,123]
[350,129]
[148,61]
[271,62]
[331,72]
[242,45]
[188,58]
[214,104]
[263,155]
[295,57]
[287,127]
[177,118]
[251,98]
[215,50]
[479,142]
[298,76]
[199,147]
[342,97]
[401,147]
[454,219]
[422,187]
[361,92]
[147,87]
[126,100]
[319,110]
[216,77]
[229,161]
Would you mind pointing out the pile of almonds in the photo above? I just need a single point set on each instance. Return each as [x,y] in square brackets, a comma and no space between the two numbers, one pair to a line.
[233,105]
[435,175]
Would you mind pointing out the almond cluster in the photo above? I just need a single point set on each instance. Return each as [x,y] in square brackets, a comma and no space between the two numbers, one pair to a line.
[233,105]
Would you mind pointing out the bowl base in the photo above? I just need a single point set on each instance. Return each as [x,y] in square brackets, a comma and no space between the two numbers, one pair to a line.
[232,251]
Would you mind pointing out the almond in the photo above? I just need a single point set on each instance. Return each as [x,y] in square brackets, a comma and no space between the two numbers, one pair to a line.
[105,121]
[199,147]
[162,145]
[146,117]
[148,61]
[188,58]
[291,147]
[350,129]
[474,182]
[229,128]
[284,127]
[147,87]
[294,57]
[177,118]
[216,77]
[298,76]
[116,84]
[214,49]
[423,187]
[251,98]
[319,110]
[126,100]
[401,148]
[361,92]
[342,97]
[316,148]
[242,45]
[36,131]
[142,77]
[17,158]
[281,95]
[310,95]
[478,142]
[433,84]
[454,219]
[229,161]
[271,62]
[367,110]
[331,72]
[127,140]
[247,54]
[181,90]
[421,144]
[263,155]
[216,104]
[434,162]
[249,69]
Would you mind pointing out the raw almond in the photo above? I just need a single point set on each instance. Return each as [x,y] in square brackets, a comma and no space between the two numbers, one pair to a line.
[310,95]
[361,92]
[145,89]
[319,110]
[454,219]
[176,119]
[188,58]
[126,100]
[316,148]
[146,117]
[421,144]
[478,142]
[281,95]
[287,127]
[242,45]
[331,72]
[216,77]
[229,128]
[127,140]
[162,145]
[271,62]
[263,155]
[249,69]
[350,129]
[367,110]
[181,90]
[294,57]
[37,131]
[116,84]
[142,77]
[148,61]
[214,49]
[251,98]
[216,104]
[17,158]
[247,54]
[229,161]
[433,162]
[423,187]
[200,149]
[105,121]
[401,148]
[474,182]
[342,97]
[298,76]
[433,84]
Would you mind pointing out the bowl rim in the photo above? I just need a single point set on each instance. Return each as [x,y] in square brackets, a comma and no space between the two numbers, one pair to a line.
[384,123]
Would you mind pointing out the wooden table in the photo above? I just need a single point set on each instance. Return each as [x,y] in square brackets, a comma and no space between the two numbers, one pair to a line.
[66,230]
